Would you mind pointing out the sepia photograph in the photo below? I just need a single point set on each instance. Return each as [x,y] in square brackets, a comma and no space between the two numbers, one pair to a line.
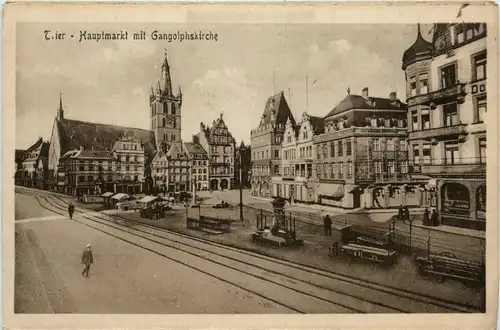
[203,167]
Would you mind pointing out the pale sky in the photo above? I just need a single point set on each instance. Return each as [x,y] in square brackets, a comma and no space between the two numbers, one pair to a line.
[109,81]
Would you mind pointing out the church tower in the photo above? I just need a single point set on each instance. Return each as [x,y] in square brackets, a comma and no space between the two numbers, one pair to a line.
[165,110]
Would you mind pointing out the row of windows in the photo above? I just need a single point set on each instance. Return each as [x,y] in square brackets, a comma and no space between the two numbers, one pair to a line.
[221,139]
[225,160]
[419,84]
[298,170]
[222,149]
[200,163]
[172,170]
[127,146]
[345,170]
[163,108]
[221,170]
[169,137]
[450,115]
[200,170]
[423,155]
[107,178]
[163,163]
[334,148]
[260,155]
[108,168]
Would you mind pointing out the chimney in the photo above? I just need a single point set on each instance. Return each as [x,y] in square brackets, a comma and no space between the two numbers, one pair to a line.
[393,96]
[365,93]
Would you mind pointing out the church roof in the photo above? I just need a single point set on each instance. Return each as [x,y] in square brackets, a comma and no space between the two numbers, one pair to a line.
[359,102]
[76,133]
[420,50]
[281,109]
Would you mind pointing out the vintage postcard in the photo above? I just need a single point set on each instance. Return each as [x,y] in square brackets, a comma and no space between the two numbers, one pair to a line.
[250,165]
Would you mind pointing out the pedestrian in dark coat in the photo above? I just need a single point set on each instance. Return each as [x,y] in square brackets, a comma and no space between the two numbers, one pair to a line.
[71,210]
[327,222]
[434,218]
[425,220]
[87,260]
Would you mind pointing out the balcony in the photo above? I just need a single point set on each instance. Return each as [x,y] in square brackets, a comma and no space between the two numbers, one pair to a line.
[475,169]
[439,132]
[453,93]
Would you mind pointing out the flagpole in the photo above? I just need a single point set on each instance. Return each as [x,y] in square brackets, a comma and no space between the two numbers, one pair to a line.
[307,96]
[274,81]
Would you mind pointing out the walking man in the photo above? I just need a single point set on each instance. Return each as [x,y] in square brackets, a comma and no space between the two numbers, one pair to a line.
[71,210]
[327,222]
[87,260]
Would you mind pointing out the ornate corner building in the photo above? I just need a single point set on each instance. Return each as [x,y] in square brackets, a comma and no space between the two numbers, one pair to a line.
[447,107]
[220,146]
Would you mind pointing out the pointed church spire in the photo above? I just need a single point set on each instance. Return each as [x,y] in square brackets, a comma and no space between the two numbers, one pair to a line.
[419,33]
[60,111]
[165,75]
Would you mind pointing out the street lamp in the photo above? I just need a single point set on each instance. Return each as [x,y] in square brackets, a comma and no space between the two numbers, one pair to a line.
[241,149]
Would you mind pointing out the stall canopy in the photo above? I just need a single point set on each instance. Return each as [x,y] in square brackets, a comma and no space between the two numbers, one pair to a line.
[119,196]
[107,194]
[149,199]
[332,190]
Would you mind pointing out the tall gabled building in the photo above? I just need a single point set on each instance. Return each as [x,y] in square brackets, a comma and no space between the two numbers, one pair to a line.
[220,146]
[265,143]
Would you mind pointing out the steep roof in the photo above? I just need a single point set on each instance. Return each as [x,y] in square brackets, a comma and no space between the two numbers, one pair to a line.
[372,103]
[318,124]
[44,150]
[35,145]
[76,133]
[420,50]
[281,110]
[176,151]
[194,148]
[19,155]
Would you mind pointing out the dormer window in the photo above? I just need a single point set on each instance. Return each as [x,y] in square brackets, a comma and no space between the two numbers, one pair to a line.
[387,122]
[373,122]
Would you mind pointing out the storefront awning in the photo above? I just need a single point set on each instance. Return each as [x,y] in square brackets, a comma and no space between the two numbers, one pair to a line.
[420,177]
[147,199]
[107,194]
[119,196]
[331,190]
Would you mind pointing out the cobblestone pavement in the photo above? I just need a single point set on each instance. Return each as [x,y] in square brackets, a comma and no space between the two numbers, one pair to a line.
[314,252]
[124,278]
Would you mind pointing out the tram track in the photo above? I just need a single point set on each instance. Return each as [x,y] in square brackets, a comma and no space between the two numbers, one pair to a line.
[382,292]
[331,307]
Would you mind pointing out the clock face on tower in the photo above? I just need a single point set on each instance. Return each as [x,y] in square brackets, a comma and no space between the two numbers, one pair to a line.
[170,121]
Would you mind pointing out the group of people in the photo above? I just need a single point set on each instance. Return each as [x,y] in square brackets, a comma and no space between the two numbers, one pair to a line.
[430,219]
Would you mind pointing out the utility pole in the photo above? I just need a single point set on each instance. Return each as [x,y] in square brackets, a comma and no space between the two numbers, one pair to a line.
[240,184]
